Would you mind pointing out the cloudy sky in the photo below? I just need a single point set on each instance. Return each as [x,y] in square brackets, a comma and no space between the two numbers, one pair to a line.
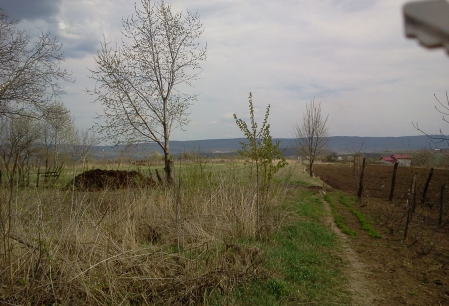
[350,55]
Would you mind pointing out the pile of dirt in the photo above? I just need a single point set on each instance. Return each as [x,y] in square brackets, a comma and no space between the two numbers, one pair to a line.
[98,179]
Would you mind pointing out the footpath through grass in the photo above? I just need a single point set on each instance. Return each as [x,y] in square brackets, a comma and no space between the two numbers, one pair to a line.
[338,218]
[301,265]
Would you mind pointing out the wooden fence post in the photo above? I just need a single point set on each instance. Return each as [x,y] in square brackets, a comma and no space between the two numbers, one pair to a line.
[393,182]
[359,193]
[410,207]
[423,197]
[440,219]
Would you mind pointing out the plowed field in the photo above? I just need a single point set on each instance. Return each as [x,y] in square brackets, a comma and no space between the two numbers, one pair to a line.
[377,180]
[404,271]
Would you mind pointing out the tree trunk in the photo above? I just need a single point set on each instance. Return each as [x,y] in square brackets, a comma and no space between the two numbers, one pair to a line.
[311,167]
[168,163]
[168,170]
[168,167]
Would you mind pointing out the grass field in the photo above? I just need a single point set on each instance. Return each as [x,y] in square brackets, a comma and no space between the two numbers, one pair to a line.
[301,265]
[195,243]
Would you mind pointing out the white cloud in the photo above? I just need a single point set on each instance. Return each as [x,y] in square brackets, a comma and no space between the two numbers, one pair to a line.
[228,116]
[351,55]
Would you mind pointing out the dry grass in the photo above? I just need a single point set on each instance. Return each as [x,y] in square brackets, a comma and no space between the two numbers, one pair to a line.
[160,246]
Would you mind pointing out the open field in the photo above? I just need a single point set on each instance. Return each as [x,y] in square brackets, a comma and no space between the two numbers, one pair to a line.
[195,243]
[412,271]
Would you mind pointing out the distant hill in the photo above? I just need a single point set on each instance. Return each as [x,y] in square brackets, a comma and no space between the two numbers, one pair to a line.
[342,145]
[346,145]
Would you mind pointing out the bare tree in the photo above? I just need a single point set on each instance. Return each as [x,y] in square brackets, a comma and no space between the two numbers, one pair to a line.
[29,70]
[422,157]
[312,134]
[85,141]
[57,129]
[440,141]
[18,143]
[357,159]
[137,82]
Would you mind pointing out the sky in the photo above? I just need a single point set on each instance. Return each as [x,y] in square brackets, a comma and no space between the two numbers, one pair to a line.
[349,55]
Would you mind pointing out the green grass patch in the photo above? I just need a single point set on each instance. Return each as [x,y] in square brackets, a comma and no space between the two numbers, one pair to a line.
[338,218]
[364,223]
[300,263]
[310,206]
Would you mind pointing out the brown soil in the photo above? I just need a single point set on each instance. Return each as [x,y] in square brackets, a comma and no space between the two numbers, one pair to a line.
[377,180]
[109,179]
[393,270]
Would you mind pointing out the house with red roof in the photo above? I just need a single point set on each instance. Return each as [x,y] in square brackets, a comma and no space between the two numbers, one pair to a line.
[401,159]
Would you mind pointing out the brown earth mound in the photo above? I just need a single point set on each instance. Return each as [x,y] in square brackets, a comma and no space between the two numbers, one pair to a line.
[98,179]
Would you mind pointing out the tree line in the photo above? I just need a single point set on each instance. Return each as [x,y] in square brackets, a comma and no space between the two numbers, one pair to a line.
[35,126]
[137,81]
[27,142]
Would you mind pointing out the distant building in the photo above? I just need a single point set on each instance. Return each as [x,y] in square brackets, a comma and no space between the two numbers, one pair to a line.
[401,159]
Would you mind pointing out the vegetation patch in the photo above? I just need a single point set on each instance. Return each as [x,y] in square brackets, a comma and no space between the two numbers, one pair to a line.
[365,224]
[197,242]
[171,245]
[338,218]
[300,266]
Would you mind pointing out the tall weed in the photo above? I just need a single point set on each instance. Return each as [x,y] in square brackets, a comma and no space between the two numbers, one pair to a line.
[164,245]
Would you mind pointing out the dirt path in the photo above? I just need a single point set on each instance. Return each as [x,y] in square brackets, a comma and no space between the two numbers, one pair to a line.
[360,287]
